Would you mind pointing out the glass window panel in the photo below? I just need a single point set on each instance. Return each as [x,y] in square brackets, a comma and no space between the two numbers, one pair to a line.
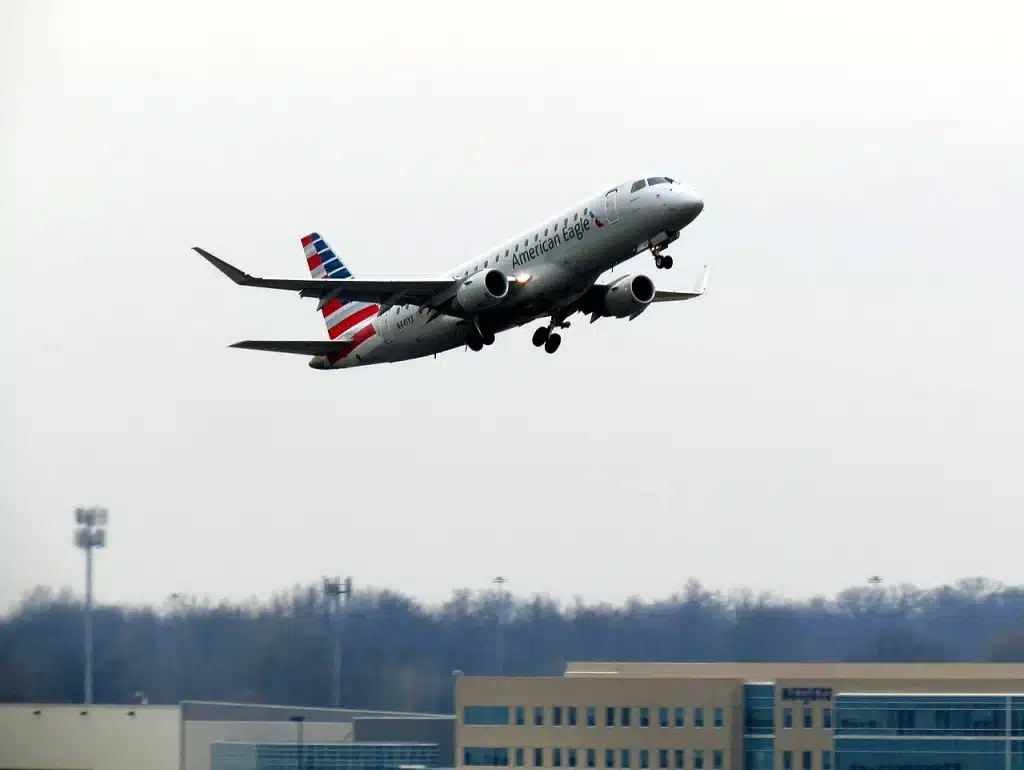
[485,715]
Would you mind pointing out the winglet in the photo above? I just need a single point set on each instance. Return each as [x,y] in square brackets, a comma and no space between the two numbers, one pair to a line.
[232,272]
[703,285]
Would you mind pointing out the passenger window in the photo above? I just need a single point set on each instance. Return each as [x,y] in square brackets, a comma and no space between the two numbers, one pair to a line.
[639,184]
[545,232]
[657,180]
[575,217]
[535,237]
[506,252]
[566,223]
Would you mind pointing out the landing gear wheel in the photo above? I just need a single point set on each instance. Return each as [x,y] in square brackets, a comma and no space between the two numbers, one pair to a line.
[659,262]
[667,262]
[553,341]
[475,344]
[541,336]
[488,338]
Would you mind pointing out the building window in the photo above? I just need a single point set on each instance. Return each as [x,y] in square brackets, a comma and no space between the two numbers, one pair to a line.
[624,758]
[826,760]
[520,757]
[520,715]
[680,714]
[538,757]
[807,760]
[591,716]
[787,760]
[645,759]
[591,757]
[826,719]
[572,716]
[485,757]
[609,716]
[571,757]
[556,716]
[698,717]
[787,718]
[663,717]
[808,717]
[680,759]
[538,716]
[485,715]
[719,717]
[717,759]
[645,716]
[609,757]
[663,759]
[627,715]
[698,759]
[556,757]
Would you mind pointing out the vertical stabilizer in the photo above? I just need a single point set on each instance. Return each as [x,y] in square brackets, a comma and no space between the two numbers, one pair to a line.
[339,316]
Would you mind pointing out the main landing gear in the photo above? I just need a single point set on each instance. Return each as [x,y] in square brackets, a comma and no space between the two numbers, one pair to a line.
[549,338]
[478,337]
[661,261]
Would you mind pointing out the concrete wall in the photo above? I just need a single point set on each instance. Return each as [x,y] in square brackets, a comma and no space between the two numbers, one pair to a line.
[439,730]
[35,737]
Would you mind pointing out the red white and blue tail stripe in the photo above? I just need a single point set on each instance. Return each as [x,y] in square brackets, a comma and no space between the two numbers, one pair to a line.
[340,316]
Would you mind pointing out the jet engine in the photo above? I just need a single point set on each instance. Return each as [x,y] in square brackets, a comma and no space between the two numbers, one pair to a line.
[628,296]
[482,291]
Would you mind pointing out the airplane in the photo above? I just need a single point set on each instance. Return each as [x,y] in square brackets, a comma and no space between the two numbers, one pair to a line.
[550,271]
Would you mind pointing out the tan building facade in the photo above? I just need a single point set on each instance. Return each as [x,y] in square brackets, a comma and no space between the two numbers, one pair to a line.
[746,716]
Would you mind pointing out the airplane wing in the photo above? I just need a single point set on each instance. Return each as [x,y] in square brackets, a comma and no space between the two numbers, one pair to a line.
[419,291]
[300,347]
[677,296]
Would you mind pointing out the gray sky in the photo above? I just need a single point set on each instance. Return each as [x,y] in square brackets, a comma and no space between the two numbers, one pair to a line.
[846,400]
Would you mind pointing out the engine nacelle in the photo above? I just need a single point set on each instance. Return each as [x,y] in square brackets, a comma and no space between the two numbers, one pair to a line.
[482,291]
[628,296]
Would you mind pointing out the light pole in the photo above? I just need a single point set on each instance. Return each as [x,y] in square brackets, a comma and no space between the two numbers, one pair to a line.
[498,642]
[90,533]
[299,720]
[334,589]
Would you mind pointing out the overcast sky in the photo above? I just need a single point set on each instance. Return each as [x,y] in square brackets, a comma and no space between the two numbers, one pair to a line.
[845,400]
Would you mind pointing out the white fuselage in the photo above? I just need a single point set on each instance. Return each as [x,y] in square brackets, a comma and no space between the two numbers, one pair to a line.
[550,266]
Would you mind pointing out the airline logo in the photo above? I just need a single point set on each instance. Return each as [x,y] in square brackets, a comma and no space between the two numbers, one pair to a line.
[339,316]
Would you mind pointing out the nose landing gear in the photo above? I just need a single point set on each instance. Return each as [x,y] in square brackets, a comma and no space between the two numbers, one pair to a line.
[661,261]
[548,338]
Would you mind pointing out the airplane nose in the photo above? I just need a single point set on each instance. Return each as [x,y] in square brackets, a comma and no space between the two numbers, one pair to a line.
[687,206]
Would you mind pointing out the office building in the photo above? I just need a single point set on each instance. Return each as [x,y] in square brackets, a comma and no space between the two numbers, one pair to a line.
[747,716]
[219,736]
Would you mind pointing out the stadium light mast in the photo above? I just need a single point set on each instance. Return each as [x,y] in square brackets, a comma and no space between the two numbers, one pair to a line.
[499,652]
[90,533]
[334,589]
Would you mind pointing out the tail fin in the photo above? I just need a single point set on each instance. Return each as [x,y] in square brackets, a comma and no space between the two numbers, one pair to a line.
[324,263]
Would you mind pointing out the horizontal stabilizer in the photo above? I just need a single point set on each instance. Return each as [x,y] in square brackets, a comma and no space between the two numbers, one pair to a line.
[418,291]
[300,347]
[676,296]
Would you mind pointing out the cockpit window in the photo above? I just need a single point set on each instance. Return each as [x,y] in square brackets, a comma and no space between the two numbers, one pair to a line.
[658,180]
[638,185]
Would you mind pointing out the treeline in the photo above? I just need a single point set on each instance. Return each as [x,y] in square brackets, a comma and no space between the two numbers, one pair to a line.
[399,654]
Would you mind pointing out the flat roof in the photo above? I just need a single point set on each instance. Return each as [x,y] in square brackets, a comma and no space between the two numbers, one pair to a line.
[760,672]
